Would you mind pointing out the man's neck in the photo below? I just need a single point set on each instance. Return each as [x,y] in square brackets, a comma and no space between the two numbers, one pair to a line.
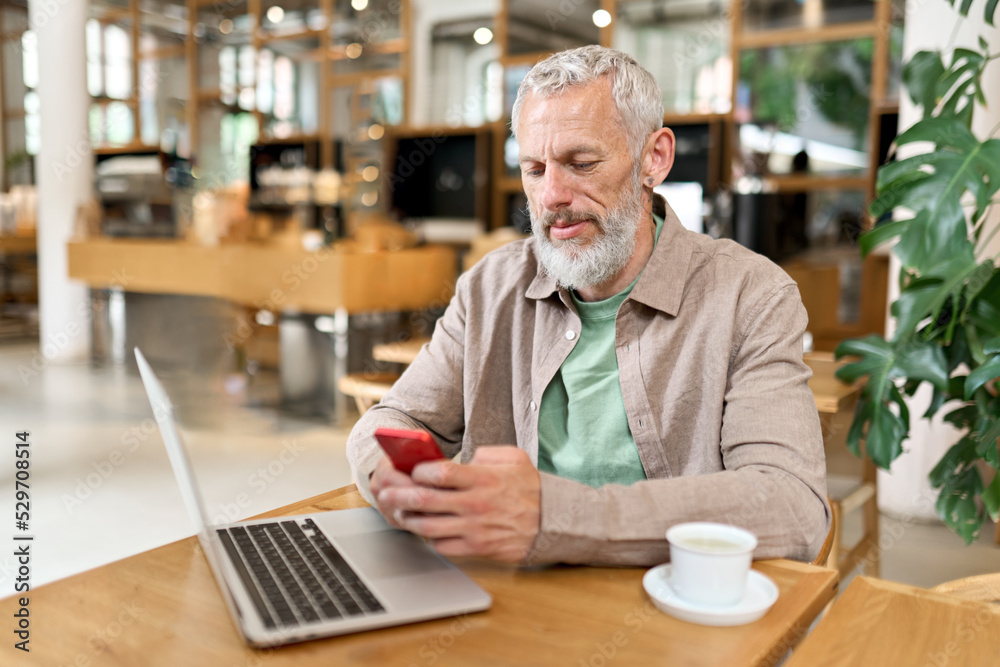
[644,242]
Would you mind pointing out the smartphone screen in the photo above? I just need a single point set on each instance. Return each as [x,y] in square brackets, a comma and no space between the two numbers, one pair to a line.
[407,448]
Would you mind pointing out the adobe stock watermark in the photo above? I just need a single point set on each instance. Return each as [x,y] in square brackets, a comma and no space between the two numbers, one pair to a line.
[102,639]
[634,620]
[421,323]
[260,480]
[967,631]
[433,649]
[293,278]
[58,341]
[103,469]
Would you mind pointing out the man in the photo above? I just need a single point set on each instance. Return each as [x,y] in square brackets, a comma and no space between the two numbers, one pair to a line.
[613,375]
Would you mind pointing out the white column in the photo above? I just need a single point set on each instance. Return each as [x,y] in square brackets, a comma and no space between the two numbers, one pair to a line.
[63,172]
[935,26]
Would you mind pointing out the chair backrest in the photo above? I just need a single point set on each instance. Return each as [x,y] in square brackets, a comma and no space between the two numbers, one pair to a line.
[824,551]
[982,587]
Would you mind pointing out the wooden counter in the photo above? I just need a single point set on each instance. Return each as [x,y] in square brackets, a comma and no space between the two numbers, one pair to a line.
[271,277]
[18,244]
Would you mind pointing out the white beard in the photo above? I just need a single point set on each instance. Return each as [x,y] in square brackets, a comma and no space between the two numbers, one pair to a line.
[576,263]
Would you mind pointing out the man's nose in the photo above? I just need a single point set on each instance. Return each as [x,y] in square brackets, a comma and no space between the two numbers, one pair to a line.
[556,193]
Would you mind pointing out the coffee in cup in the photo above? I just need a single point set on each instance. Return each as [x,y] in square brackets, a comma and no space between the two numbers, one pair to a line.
[710,562]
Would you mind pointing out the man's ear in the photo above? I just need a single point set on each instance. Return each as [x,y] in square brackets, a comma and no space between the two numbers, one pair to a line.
[658,157]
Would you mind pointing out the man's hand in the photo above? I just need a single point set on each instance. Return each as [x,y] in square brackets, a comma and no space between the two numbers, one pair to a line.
[386,476]
[489,507]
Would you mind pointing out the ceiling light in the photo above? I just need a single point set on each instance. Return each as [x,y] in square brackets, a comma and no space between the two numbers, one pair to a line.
[375,132]
[276,14]
[369,173]
[225,26]
[602,18]
[483,35]
[353,50]
[359,5]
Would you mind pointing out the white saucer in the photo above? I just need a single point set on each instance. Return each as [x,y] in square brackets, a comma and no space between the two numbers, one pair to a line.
[760,595]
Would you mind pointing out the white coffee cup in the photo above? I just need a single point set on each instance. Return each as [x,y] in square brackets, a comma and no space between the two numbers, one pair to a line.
[710,562]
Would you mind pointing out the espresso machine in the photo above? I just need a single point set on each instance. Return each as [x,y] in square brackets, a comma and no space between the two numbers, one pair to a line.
[139,193]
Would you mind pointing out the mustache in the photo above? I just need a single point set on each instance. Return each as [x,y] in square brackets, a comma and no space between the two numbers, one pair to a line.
[549,218]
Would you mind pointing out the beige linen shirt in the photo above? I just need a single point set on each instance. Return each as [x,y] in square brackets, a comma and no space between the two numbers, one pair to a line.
[709,347]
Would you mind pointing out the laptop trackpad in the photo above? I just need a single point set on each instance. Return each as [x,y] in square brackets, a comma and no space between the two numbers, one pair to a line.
[390,553]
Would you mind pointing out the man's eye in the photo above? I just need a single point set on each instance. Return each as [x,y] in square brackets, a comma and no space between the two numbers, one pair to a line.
[583,166]
[534,172]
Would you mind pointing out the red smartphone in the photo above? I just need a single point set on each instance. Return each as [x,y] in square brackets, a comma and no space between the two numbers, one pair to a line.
[407,448]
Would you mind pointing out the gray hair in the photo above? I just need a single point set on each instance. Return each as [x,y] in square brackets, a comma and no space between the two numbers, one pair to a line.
[634,90]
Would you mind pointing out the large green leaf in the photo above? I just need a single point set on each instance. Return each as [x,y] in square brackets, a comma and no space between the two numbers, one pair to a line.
[957,457]
[992,346]
[921,75]
[962,418]
[956,504]
[982,375]
[926,296]
[862,415]
[933,185]
[884,362]
[986,446]
[880,234]
[942,132]
[991,498]
[988,14]
[939,398]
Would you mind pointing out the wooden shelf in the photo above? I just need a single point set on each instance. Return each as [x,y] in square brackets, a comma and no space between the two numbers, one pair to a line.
[813,182]
[269,38]
[693,118]
[163,53]
[787,37]
[128,148]
[382,48]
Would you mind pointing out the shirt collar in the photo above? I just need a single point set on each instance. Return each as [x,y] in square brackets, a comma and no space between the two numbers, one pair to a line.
[661,285]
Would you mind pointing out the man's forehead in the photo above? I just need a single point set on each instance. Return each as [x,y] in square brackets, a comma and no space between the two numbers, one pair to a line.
[577,120]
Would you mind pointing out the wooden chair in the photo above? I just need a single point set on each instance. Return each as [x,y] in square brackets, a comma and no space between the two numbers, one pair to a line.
[366,389]
[823,558]
[852,484]
[981,588]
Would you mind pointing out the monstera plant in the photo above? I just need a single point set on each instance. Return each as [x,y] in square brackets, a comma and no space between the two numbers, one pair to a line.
[948,313]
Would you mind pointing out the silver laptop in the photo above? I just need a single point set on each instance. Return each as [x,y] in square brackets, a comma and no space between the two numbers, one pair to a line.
[297,578]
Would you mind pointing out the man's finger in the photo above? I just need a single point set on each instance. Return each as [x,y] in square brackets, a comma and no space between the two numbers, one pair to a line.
[445,475]
[432,526]
[421,499]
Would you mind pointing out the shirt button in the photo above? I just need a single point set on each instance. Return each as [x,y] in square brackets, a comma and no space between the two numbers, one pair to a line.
[570,335]
[532,406]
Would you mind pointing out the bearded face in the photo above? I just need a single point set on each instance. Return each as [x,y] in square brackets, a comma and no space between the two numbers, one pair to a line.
[587,261]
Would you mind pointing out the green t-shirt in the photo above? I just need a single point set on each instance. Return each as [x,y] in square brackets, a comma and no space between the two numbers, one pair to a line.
[583,431]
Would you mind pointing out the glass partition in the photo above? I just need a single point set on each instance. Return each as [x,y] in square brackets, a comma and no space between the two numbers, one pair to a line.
[804,109]
[685,45]
[778,14]
[464,82]
[543,26]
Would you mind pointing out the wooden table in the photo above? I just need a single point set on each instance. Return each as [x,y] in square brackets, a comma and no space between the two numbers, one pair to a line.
[162,607]
[882,623]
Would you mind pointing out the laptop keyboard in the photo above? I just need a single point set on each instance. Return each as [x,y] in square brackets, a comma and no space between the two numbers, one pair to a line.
[295,575]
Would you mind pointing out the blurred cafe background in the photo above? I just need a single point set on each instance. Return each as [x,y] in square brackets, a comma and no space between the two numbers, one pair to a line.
[262,194]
